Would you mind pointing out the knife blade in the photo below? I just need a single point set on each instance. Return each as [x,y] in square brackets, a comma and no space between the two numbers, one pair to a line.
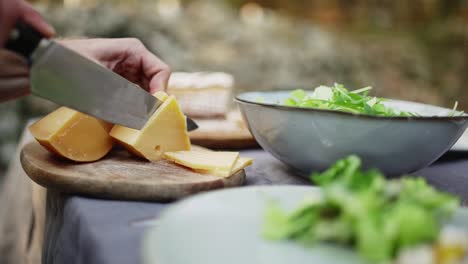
[67,78]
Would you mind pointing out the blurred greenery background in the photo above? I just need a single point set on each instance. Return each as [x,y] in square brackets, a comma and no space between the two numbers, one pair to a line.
[410,49]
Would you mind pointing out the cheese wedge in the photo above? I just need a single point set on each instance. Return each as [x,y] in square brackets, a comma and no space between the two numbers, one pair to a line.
[240,164]
[219,162]
[73,135]
[165,131]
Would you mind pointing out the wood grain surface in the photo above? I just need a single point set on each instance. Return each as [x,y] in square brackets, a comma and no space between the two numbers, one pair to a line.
[119,176]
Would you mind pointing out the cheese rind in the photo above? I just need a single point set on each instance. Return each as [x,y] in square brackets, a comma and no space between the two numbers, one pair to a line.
[165,131]
[221,162]
[73,135]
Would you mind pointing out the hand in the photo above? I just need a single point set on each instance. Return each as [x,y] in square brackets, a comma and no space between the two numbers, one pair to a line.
[127,57]
[13,68]
[12,11]
[14,81]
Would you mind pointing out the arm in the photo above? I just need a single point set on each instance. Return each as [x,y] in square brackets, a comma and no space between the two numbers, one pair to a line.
[127,57]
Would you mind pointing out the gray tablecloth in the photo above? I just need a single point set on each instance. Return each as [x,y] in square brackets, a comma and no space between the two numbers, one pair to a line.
[93,231]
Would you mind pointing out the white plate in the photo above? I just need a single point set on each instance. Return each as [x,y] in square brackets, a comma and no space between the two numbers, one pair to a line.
[225,227]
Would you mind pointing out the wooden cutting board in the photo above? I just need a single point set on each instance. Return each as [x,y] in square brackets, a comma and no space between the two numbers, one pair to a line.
[119,176]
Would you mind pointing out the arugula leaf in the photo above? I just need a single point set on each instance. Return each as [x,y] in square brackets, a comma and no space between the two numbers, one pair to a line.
[338,98]
[454,111]
[371,242]
[365,211]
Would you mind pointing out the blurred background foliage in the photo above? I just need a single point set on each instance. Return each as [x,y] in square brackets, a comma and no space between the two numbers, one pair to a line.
[409,49]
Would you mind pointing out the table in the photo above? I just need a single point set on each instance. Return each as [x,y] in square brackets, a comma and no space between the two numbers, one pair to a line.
[72,229]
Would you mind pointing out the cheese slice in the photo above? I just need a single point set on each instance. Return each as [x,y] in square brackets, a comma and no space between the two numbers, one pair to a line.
[165,131]
[240,164]
[219,162]
[73,135]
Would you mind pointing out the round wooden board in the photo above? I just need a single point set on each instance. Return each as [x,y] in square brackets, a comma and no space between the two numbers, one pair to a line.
[119,176]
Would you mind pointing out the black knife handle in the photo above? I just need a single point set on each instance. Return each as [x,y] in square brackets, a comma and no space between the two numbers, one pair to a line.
[23,39]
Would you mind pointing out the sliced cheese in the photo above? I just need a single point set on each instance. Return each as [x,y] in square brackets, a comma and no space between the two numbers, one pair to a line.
[240,164]
[73,135]
[219,162]
[161,95]
[165,131]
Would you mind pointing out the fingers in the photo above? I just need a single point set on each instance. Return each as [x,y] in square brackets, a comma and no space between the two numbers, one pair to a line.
[144,82]
[155,70]
[158,74]
[14,79]
[29,15]
[12,64]
[13,10]
[127,57]
[8,15]
[11,88]
[130,58]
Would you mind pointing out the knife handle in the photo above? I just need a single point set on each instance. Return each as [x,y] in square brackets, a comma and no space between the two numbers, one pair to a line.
[23,39]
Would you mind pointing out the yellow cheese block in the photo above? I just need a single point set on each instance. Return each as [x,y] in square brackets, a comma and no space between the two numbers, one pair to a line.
[73,135]
[165,131]
[241,163]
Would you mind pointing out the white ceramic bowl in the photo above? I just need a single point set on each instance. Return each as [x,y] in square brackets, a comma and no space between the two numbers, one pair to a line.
[313,139]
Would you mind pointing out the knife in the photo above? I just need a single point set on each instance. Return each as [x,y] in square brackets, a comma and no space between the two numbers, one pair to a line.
[67,78]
